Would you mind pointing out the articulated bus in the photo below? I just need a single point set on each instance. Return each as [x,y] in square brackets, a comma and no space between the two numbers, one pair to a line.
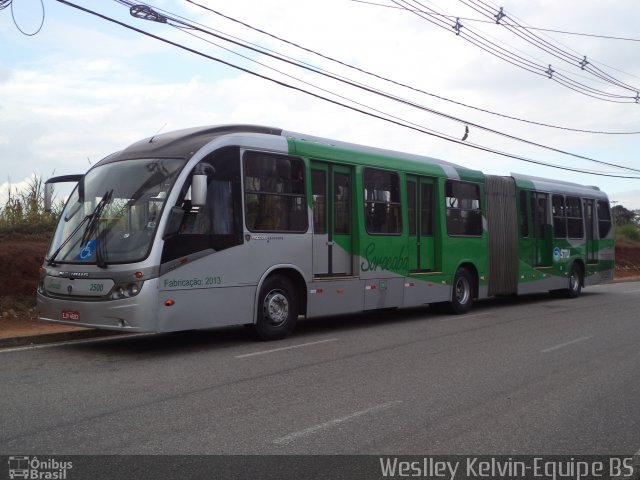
[242,224]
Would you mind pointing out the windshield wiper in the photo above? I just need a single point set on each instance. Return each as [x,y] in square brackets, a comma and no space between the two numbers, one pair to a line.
[93,227]
[91,222]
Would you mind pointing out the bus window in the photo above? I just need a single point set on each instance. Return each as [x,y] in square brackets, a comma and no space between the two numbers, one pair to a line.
[382,202]
[524,214]
[604,218]
[426,209]
[464,216]
[274,193]
[559,217]
[218,224]
[342,203]
[319,200]
[575,226]
[411,207]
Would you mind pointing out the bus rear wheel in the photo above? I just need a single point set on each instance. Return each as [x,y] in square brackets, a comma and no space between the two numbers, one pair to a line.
[462,294]
[575,282]
[277,309]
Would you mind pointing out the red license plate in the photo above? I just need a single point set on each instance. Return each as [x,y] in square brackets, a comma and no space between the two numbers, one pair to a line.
[73,315]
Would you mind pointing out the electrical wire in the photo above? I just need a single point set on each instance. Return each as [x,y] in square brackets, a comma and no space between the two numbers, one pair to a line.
[9,3]
[386,79]
[384,118]
[550,48]
[496,50]
[566,32]
[191,26]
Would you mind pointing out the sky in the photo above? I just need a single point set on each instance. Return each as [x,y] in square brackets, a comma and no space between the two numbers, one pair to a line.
[84,87]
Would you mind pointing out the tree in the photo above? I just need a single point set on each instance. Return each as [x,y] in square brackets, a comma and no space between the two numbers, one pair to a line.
[622,216]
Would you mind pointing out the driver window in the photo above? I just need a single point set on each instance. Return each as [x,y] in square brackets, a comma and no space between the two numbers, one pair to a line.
[218,224]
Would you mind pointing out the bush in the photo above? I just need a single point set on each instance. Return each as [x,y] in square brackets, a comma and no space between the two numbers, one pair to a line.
[23,212]
[629,232]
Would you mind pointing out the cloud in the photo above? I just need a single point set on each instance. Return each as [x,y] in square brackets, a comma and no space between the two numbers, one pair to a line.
[84,88]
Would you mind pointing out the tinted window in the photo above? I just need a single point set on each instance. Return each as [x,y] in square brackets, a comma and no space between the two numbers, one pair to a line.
[382,202]
[464,216]
[524,214]
[218,224]
[575,226]
[426,209]
[274,193]
[604,219]
[559,217]
[341,203]
[319,200]
[411,207]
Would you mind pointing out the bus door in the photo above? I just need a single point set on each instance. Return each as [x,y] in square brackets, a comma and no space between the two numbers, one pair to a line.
[420,201]
[542,238]
[590,229]
[331,190]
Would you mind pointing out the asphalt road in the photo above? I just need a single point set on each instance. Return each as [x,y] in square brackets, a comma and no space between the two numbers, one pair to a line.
[532,375]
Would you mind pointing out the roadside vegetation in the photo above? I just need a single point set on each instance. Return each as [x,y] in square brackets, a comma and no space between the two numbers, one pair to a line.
[627,224]
[23,212]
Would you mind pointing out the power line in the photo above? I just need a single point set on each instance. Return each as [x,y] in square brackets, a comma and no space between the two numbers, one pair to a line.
[548,47]
[566,32]
[9,3]
[386,79]
[168,19]
[494,49]
[278,82]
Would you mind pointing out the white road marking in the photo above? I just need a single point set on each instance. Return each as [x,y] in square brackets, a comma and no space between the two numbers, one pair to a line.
[632,291]
[71,342]
[264,352]
[556,347]
[336,421]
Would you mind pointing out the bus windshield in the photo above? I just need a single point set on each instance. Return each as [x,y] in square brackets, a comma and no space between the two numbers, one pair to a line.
[112,214]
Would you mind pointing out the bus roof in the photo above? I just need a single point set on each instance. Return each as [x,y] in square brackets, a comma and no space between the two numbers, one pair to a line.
[183,143]
[309,145]
[186,142]
[557,186]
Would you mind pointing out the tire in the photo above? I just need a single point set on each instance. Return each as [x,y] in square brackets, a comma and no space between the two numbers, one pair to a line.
[462,292]
[277,309]
[575,282]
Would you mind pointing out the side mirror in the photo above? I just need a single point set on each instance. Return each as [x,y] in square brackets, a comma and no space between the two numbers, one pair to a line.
[199,190]
[48,188]
[174,221]
[48,195]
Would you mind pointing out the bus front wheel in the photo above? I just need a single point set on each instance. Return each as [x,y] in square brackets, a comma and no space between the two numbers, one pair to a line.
[277,309]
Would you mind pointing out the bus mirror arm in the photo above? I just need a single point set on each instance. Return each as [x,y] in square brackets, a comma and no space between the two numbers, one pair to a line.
[48,188]
[199,190]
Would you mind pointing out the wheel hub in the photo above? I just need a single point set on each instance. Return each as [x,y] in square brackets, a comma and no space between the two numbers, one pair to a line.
[276,308]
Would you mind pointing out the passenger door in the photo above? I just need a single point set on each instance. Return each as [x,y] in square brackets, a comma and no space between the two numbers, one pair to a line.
[420,201]
[332,194]
[543,243]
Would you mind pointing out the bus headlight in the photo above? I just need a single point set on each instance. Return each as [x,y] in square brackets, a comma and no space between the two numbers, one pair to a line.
[126,290]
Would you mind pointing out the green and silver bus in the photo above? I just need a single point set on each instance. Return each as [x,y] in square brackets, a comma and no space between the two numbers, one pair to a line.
[242,224]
